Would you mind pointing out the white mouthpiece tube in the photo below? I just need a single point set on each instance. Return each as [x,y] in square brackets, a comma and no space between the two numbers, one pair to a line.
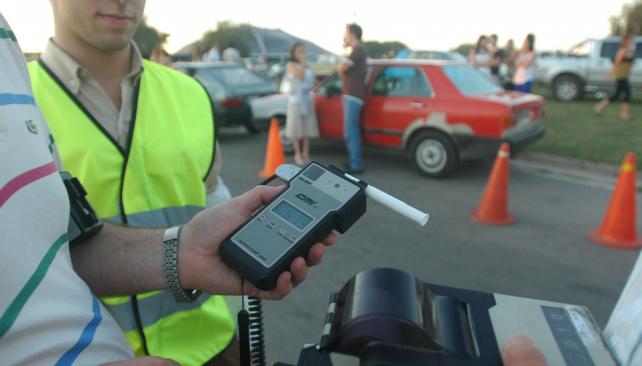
[397,205]
[288,171]
[394,204]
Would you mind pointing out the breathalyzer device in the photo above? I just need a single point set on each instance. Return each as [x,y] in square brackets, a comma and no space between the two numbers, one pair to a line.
[316,201]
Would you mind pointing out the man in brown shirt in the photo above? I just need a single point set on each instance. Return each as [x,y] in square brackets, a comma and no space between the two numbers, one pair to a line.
[353,75]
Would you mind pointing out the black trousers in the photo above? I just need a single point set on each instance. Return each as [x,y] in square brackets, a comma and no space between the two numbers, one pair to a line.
[622,86]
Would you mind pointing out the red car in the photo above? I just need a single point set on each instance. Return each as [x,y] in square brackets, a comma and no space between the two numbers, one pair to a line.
[440,112]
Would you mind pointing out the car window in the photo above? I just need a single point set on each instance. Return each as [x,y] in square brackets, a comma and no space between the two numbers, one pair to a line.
[638,50]
[582,50]
[400,81]
[470,81]
[609,49]
[214,87]
[237,76]
[330,86]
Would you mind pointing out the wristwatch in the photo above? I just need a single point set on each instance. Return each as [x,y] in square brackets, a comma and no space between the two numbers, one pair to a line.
[170,267]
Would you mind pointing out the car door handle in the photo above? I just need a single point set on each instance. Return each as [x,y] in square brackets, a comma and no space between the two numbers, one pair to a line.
[416,105]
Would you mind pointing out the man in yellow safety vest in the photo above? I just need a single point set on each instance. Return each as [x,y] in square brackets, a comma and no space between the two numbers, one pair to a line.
[141,139]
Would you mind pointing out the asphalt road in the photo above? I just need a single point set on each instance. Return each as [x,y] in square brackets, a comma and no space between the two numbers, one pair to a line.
[545,255]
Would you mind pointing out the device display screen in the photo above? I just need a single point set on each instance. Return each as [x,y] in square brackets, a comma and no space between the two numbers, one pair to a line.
[292,215]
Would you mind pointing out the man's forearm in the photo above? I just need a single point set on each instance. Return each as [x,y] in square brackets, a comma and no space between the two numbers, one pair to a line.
[121,260]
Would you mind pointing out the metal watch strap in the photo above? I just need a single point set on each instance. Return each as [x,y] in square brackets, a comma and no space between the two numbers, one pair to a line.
[170,267]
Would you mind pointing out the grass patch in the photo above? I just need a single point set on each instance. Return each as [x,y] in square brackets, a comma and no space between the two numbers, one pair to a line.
[574,131]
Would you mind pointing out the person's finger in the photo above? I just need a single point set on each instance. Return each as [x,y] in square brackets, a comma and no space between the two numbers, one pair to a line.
[330,239]
[283,286]
[315,255]
[258,196]
[299,271]
[521,351]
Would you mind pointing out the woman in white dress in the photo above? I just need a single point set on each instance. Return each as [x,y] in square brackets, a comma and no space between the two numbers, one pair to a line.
[301,122]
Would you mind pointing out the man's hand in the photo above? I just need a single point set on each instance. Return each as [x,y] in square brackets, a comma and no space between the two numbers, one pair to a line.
[200,263]
[521,351]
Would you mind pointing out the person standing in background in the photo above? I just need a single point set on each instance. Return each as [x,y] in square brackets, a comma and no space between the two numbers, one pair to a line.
[353,71]
[509,64]
[231,54]
[479,56]
[214,54]
[622,63]
[497,57]
[301,122]
[524,67]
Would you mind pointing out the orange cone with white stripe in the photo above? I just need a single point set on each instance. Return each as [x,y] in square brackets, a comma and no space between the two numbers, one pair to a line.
[618,229]
[274,154]
[493,208]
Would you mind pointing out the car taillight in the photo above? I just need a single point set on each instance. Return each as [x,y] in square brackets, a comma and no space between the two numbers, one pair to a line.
[231,103]
[510,119]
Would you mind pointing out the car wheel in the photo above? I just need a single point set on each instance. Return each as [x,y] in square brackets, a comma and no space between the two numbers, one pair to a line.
[433,154]
[251,127]
[567,88]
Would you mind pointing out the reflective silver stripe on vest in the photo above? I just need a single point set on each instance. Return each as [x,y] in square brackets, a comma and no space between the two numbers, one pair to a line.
[154,308]
[151,309]
[163,217]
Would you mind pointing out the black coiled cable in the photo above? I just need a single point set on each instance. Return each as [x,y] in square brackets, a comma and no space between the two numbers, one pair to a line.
[257,339]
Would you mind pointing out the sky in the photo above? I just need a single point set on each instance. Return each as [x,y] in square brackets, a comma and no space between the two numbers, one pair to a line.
[421,24]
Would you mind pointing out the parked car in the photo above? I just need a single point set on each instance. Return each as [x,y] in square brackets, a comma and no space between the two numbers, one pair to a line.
[231,87]
[585,68]
[432,55]
[438,112]
[271,106]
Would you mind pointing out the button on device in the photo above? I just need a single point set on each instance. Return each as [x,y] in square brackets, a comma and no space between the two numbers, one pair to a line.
[262,217]
[283,232]
[272,224]
[293,238]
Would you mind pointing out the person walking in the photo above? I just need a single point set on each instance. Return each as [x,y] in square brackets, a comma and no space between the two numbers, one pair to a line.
[622,63]
[141,138]
[480,57]
[353,77]
[301,122]
[524,66]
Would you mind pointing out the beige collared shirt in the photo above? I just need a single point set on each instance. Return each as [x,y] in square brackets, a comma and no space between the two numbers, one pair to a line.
[116,120]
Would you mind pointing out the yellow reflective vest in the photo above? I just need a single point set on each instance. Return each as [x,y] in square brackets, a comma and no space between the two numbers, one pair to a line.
[157,182]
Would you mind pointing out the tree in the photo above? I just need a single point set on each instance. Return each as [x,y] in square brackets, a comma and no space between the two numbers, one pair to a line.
[464,48]
[228,34]
[147,38]
[378,49]
[629,21]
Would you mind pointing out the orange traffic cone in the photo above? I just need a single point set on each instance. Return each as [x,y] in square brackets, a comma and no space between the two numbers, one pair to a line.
[493,208]
[618,229]
[274,154]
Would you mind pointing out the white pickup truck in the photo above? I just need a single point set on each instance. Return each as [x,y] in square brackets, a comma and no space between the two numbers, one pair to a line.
[585,68]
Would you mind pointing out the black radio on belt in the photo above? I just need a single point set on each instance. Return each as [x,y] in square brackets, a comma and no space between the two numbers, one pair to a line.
[83,221]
